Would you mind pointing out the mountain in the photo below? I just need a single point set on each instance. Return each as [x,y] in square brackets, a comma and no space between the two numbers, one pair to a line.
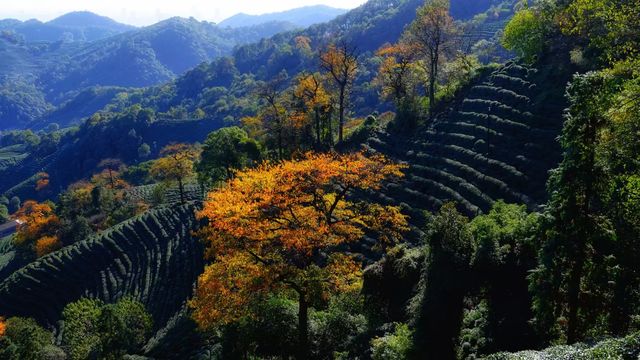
[58,71]
[76,26]
[301,17]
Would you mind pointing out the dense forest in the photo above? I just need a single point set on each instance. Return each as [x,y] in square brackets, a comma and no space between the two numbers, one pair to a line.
[414,179]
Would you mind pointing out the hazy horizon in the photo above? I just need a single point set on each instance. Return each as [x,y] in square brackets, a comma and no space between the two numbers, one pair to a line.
[137,13]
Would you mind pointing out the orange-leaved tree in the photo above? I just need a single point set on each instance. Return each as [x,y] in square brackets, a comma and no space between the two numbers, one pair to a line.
[277,228]
[38,228]
[3,327]
[43,181]
[341,64]
[313,97]
[177,164]
[396,74]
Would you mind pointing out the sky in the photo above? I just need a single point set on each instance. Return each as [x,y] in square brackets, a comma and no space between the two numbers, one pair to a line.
[147,12]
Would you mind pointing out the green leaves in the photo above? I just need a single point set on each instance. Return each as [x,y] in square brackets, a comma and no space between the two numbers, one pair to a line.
[93,329]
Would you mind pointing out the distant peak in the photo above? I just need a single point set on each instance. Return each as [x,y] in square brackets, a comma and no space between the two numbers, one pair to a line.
[84,19]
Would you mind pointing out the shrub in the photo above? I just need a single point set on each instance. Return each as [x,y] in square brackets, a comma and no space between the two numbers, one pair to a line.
[392,346]
[24,339]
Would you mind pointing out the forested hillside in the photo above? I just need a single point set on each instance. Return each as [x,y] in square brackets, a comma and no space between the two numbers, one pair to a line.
[37,76]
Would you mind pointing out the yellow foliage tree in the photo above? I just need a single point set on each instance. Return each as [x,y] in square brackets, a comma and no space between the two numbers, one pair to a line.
[276,228]
[46,245]
[177,164]
[341,64]
[37,221]
[396,75]
[314,99]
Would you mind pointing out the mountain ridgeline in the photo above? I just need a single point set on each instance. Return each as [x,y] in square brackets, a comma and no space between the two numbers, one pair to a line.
[301,17]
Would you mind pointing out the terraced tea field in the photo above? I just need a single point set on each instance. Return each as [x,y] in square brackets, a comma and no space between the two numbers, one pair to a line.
[496,143]
[153,258]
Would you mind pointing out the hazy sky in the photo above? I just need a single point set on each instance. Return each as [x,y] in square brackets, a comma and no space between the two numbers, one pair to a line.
[145,12]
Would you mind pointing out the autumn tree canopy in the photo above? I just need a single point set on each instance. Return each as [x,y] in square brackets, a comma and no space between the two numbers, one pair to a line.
[276,229]
[38,228]
[341,64]
[176,165]
[433,35]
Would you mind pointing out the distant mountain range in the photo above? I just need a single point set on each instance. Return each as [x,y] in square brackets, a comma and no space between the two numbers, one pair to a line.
[301,17]
[44,65]
[75,26]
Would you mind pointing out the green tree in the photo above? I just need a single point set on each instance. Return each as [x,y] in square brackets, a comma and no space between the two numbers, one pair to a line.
[124,328]
[438,306]
[525,33]
[577,235]
[610,26]
[504,251]
[94,330]
[24,339]
[144,151]
[81,336]
[225,150]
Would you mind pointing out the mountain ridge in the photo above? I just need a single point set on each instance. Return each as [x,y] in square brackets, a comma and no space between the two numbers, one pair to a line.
[300,17]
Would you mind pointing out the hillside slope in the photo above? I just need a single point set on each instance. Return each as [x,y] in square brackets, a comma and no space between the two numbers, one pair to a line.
[496,141]
[153,258]
[36,76]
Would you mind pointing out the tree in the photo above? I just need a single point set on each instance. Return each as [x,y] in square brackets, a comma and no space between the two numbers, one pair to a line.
[80,333]
[276,228]
[397,78]
[4,213]
[341,63]
[438,306]
[43,181]
[396,75]
[310,91]
[226,150]
[525,33]
[38,228]
[93,329]
[24,339]
[177,164]
[144,151]
[124,328]
[576,225]
[433,34]
[14,204]
[112,168]
[275,113]
[504,252]
[610,26]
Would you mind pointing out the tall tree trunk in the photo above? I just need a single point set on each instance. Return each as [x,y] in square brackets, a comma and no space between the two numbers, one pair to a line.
[318,140]
[280,152]
[111,179]
[303,327]
[341,124]
[432,86]
[575,278]
[181,188]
